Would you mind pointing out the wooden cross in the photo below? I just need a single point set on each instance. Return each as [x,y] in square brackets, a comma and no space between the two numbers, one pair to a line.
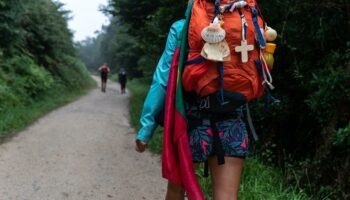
[244,48]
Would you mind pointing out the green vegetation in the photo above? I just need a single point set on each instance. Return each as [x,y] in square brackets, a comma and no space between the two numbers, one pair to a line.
[261,182]
[19,117]
[138,91]
[307,134]
[258,182]
[39,68]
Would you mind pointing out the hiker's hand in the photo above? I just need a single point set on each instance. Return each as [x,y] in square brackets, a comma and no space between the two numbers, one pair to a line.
[140,146]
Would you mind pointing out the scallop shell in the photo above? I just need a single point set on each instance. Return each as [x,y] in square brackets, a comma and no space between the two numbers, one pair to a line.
[216,51]
[213,33]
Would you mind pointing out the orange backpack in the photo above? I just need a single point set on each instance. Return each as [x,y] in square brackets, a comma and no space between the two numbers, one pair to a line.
[243,79]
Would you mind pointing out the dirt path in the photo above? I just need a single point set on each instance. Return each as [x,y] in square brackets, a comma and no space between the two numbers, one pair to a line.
[83,151]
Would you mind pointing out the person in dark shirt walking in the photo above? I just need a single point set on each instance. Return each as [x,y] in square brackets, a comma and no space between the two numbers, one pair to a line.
[122,80]
[104,71]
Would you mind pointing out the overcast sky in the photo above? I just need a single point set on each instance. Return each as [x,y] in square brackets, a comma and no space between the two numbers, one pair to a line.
[86,17]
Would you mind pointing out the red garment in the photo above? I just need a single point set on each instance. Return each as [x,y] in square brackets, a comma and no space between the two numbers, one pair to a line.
[177,165]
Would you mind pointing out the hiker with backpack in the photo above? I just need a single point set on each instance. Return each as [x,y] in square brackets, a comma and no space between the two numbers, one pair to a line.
[212,65]
[104,71]
[122,80]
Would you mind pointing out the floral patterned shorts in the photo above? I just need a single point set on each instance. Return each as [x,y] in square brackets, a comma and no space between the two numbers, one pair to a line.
[233,135]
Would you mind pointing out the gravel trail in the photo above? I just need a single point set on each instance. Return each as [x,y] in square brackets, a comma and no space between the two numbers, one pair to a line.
[82,151]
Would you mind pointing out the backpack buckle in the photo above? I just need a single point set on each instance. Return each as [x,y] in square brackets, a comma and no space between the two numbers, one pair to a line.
[204,103]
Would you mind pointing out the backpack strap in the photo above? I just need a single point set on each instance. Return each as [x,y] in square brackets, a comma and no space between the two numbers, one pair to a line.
[206,168]
[217,9]
[250,123]
[195,61]
[217,145]
[261,39]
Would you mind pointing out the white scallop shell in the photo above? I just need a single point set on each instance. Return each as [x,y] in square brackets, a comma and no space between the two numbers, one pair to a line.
[216,51]
[213,33]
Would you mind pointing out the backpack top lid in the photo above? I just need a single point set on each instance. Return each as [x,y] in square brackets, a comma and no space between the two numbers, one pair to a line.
[104,68]
[203,78]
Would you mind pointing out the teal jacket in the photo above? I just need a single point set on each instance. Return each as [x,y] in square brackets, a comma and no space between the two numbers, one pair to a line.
[155,99]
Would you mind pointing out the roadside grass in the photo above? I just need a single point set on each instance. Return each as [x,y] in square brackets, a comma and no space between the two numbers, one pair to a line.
[15,119]
[114,77]
[259,181]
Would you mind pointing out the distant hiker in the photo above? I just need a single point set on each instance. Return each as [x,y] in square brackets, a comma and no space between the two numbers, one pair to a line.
[104,71]
[201,86]
[122,80]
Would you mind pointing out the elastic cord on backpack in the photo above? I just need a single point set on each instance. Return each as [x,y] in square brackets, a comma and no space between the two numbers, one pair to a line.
[266,78]
[261,71]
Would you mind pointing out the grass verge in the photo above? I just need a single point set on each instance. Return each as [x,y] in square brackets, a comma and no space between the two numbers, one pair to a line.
[259,182]
[14,119]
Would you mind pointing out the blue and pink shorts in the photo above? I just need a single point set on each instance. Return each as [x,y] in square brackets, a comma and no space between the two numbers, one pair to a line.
[232,133]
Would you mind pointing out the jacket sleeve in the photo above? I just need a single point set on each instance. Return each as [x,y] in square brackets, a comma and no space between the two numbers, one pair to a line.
[155,99]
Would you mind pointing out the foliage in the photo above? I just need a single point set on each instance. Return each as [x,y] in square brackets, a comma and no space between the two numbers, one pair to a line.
[312,74]
[37,56]
[342,136]
[262,182]
[138,90]
[89,52]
